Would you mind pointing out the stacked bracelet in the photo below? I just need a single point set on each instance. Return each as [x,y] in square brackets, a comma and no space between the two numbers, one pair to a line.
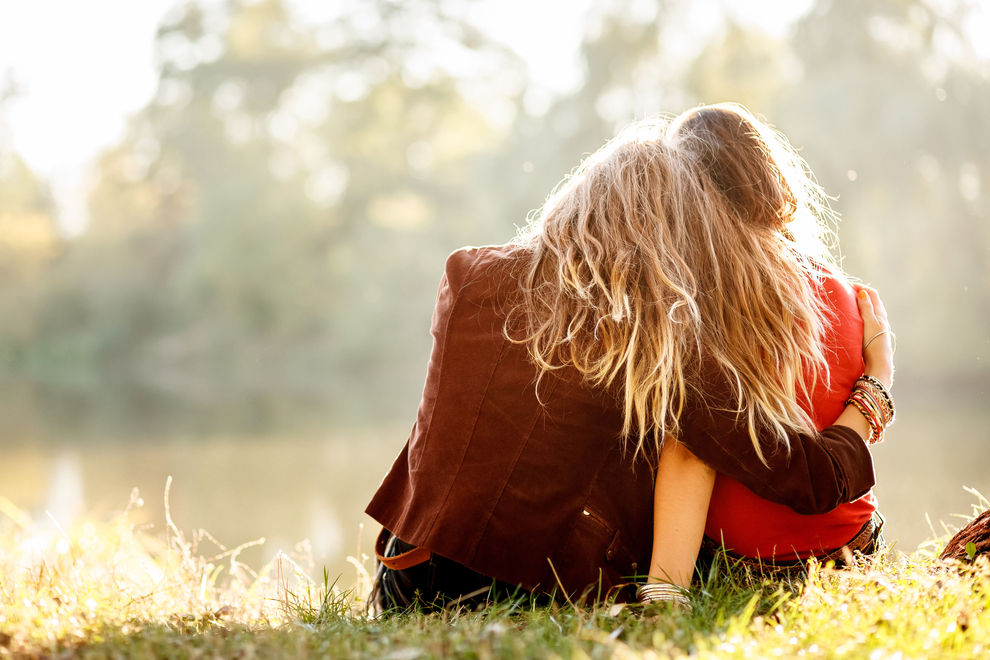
[873,401]
[663,592]
[872,383]
[872,417]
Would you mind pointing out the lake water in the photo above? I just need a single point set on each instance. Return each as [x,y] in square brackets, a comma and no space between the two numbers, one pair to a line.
[288,470]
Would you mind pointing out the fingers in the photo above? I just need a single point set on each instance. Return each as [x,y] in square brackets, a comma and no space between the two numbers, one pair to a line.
[871,309]
[878,307]
[866,311]
[877,349]
[863,297]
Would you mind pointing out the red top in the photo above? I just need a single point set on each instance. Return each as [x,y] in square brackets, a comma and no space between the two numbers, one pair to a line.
[755,527]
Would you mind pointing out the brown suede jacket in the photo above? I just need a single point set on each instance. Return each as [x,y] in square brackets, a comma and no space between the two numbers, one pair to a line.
[541,492]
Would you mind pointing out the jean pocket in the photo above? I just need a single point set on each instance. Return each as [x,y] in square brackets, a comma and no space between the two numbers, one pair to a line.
[593,560]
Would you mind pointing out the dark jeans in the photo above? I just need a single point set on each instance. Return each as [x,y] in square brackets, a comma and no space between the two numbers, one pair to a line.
[434,584]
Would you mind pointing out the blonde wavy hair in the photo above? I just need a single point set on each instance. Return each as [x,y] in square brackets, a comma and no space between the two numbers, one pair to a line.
[680,242]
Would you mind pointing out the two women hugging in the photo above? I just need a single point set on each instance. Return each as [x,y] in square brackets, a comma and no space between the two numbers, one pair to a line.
[666,361]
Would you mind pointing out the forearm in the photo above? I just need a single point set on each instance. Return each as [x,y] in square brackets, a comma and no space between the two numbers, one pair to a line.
[853,419]
[680,507]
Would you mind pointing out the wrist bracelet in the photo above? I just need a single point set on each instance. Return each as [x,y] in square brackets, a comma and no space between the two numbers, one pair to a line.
[879,388]
[663,592]
[872,417]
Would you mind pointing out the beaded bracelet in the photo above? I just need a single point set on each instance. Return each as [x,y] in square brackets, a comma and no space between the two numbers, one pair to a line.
[878,404]
[873,401]
[872,417]
[877,387]
[663,592]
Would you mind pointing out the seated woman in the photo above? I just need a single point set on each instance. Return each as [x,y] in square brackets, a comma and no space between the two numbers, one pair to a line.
[762,181]
[559,362]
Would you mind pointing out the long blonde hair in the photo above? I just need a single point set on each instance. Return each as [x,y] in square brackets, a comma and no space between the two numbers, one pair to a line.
[676,243]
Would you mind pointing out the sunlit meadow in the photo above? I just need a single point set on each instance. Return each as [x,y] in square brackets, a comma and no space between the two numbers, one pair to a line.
[116,589]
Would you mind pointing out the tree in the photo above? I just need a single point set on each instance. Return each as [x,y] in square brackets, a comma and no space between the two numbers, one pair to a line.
[289,192]
[29,238]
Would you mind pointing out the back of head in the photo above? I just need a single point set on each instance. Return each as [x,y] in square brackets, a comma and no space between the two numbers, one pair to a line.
[762,301]
[671,245]
[759,174]
[608,290]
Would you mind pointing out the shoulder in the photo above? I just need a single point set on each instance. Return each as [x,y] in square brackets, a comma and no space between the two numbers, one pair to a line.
[837,288]
[469,264]
[470,256]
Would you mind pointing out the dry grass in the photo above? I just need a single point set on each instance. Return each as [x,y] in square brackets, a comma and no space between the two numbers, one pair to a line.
[64,588]
[115,590]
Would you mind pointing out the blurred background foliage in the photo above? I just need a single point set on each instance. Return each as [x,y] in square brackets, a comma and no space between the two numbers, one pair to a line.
[277,216]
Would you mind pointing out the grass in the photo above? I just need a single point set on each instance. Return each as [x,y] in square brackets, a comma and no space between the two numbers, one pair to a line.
[113,590]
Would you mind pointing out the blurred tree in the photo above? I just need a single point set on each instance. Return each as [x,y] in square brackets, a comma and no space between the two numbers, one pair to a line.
[884,99]
[279,212]
[890,117]
[289,192]
[29,238]
[745,66]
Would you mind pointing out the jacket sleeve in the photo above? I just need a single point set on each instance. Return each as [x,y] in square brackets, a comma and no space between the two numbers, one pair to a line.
[820,472]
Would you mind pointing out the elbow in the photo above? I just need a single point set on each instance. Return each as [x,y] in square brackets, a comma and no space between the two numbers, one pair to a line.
[814,502]
[843,472]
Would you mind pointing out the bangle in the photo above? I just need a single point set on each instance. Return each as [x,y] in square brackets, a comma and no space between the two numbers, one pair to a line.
[878,388]
[663,592]
[893,340]
[872,418]
[873,401]
[880,411]
[872,391]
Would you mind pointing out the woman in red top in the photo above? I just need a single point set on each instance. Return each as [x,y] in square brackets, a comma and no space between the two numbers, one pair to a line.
[752,167]
[755,527]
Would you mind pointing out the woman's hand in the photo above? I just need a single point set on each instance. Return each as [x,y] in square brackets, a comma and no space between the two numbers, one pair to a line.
[878,348]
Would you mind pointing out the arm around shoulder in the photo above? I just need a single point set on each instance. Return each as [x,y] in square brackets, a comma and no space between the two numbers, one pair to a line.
[818,472]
